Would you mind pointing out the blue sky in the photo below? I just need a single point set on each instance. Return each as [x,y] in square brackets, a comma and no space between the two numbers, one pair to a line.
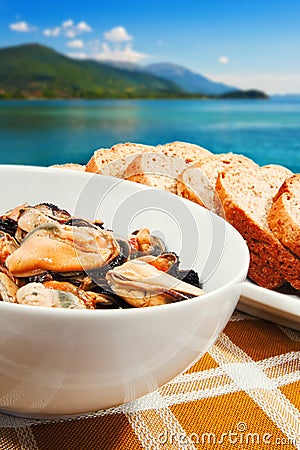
[249,44]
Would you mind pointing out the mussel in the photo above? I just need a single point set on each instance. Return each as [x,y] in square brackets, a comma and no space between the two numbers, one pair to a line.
[50,258]
[62,248]
[31,217]
[7,246]
[36,294]
[142,284]
[89,298]
[8,289]
[144,243]
[166,262]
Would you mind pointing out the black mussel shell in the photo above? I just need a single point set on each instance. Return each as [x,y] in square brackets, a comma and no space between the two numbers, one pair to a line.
[41,278]
[189,276]
[77,222]
[99,224]
[9,226]
[123,255]
[51,210]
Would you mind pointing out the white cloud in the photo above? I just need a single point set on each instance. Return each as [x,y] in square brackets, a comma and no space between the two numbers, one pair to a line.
[83,27]
[223,60]
[76,43]
[267,82]
[125,54]
[22,27]
[78,55]
[115,47]
[117,34]
[70,34]
[67,24]
[68,29]
[52,31]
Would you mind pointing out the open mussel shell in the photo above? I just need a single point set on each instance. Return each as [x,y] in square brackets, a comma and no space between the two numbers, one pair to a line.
[141,284]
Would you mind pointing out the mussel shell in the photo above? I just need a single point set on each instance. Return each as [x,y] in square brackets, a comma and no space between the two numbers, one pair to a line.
[53,211]
[190,276]
[9,226]
[77,222]
[41,278]
[157,246]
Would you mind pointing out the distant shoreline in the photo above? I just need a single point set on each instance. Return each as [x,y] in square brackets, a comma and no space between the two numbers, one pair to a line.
[192,97]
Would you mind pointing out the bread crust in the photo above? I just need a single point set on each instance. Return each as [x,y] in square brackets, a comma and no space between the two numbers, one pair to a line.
[191,153]
[271,264]
[197,182]
[115,158]
[69,166]
[284,214]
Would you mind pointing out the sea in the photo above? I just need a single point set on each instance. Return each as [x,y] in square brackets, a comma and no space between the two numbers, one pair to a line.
[45,132]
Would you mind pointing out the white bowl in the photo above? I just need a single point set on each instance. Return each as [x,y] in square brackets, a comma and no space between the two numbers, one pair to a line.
[65,362]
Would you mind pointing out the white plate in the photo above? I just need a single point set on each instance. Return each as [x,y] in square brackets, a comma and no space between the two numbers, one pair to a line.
[270,305]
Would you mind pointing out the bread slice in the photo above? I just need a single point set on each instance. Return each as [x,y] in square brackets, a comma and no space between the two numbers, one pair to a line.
[162,167]
[157,170]
[69,166]
[246,194]
[198,182]
[113,161]
[190,153]
[284,215]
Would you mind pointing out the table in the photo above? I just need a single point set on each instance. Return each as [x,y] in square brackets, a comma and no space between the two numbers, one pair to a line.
[243,394]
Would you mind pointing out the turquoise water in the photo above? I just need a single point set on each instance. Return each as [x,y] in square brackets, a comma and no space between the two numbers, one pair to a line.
[48,132]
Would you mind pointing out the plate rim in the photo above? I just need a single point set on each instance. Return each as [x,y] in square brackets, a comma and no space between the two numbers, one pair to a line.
[276,302]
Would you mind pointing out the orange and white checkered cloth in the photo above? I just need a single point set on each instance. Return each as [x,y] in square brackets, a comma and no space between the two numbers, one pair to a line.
[243,394]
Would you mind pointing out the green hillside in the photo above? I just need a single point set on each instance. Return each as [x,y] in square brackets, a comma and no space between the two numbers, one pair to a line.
[251,94]
[35,71]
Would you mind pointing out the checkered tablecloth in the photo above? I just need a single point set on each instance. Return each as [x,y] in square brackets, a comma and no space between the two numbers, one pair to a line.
[243,394]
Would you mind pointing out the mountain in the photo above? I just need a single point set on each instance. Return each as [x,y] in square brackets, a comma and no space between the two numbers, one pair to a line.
[188,80]
[36,71]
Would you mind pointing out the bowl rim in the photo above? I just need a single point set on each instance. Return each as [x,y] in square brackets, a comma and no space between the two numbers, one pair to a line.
[62,312]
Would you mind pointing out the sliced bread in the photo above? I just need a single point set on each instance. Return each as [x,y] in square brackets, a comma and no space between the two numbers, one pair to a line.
[197,182]
[190,153]
[246,195]
[113,161]
[284,215]
[156,170]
